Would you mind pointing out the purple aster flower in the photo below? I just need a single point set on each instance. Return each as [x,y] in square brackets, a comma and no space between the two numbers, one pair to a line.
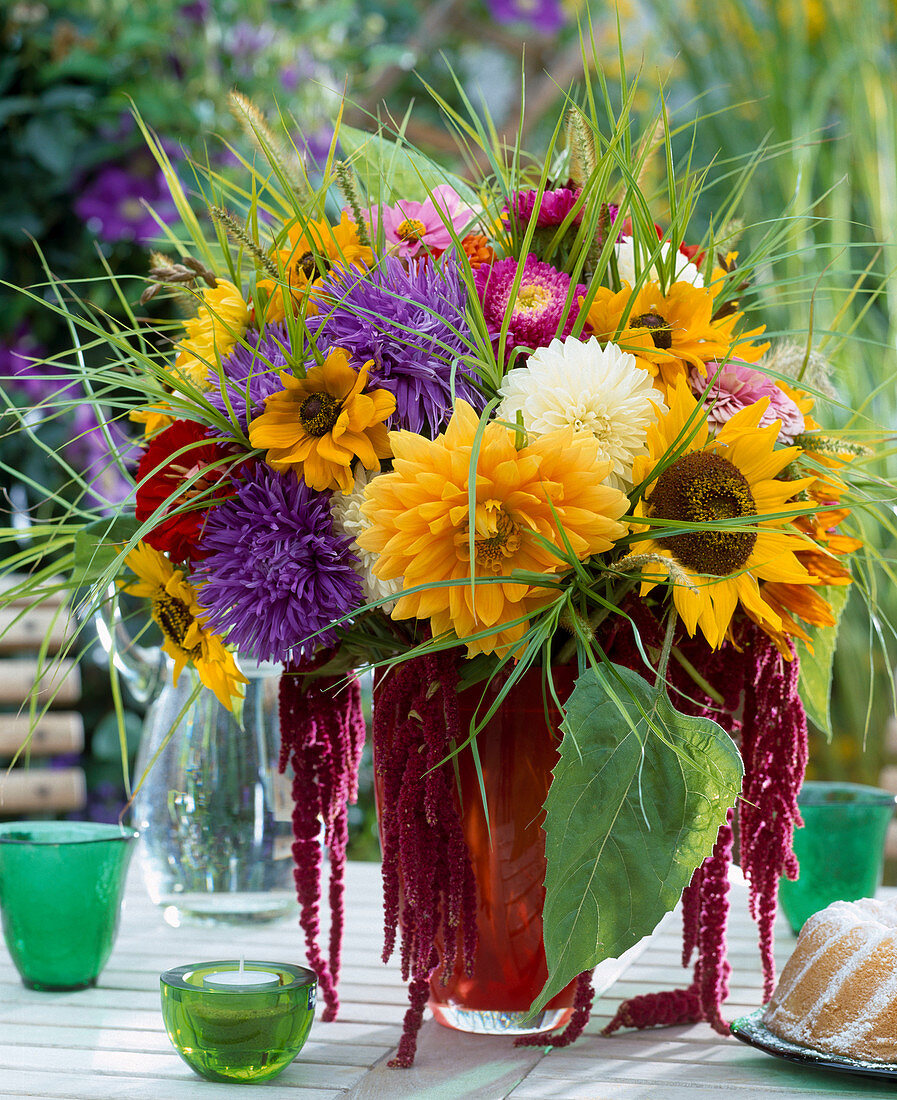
[412,324]
[112,204]
[737,385]
[250,374]
[536,311]
[546,16]
[276,571]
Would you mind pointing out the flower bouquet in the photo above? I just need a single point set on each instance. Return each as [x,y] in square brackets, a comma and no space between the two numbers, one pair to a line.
[516,442]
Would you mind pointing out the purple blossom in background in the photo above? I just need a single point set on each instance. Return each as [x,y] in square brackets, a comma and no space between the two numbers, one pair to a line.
[276,571]
[250,374]
[53,391]
[21,366]
[111,204]
[196,12]
[545,16]
[303,67]
[412,324]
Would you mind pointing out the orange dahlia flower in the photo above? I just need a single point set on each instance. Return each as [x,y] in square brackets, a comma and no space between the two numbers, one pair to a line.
[319,424]
[420,524]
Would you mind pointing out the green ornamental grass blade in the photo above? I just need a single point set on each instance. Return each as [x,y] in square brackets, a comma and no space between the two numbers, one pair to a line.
[816,667]
[630,814]
[399,172]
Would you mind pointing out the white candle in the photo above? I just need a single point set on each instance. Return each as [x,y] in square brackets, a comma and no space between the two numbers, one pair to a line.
[242,980]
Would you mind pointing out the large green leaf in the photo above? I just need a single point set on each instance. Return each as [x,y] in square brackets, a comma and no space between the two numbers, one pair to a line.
[633,809]
[815,683]
[390,171]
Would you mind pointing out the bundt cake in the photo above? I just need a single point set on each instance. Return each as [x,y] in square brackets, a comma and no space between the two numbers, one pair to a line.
[838,991]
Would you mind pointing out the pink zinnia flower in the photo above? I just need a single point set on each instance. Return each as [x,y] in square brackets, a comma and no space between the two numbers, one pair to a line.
[538,307]
[416,225]
[737,385]
[554,207]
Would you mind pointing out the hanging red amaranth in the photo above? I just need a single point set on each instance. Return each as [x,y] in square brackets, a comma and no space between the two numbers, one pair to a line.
[772,736]
[774,747]
[322,735]
[424,853]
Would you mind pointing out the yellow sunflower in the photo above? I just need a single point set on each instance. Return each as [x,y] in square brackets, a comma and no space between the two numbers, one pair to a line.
[319,424]
[220,322]
[669,331]
[731,477]
[420,523]
[315,247]
[179,617]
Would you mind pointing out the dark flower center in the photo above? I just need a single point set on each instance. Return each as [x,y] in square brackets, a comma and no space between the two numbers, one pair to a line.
[319,412]
[411,230]
[658,327]
[312,266]
[703,488]
[174,617]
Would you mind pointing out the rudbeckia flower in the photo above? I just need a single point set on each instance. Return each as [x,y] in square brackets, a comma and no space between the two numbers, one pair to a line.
[180,618]
[669,331]
[420,525]
[730,477]
[315,247]
[319,424]
[219,323]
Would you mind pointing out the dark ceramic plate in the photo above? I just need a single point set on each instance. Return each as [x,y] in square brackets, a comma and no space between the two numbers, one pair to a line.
[751,1030]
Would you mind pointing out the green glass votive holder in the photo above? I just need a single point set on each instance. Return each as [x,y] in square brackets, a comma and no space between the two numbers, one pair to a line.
[245,1024]
[840,849]
[61,886]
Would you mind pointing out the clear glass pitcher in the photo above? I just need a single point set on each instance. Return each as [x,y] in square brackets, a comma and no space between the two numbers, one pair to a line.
[213,812]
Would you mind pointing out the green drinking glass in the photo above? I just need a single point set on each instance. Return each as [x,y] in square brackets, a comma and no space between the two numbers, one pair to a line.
[61,885]
[840,849]
[238,1032]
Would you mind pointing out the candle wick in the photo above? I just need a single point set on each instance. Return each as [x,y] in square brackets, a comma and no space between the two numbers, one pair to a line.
[242,963]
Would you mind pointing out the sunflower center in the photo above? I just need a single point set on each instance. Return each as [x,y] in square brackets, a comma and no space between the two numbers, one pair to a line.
[411,230]
[174,617]
[532,298]
[319,412]
[312,266]
[658,327]
[501,538]
[702,488]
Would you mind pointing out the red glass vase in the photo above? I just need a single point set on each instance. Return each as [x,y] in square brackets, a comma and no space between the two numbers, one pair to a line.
[518,749]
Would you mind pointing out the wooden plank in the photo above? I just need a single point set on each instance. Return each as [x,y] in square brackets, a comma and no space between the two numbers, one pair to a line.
[13,580]
[64,1085]
[42,790]
[25,629]
[61,682]
[56,733]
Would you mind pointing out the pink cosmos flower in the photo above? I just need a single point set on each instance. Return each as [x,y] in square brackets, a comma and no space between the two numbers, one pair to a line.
[737,385]
[413,226]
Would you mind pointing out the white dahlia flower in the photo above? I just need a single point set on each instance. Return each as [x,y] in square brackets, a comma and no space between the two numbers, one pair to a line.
[580,384]
[349,520]
[686,272]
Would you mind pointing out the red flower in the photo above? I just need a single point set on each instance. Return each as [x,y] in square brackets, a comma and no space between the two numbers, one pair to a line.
[172,458]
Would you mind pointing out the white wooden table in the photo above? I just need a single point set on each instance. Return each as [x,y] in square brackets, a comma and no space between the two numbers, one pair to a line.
[109,1042]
